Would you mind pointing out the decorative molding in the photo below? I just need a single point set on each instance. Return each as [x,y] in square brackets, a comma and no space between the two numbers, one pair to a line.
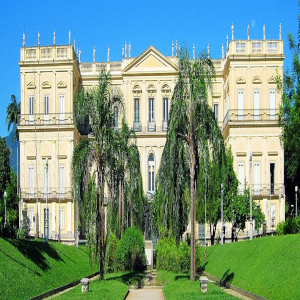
[61,84]
[30,85]
[241,154]
[256,79]
[46,85]
[241,80]
[46,156]
[273,153]
[257,153]
[29,157]
[272,80]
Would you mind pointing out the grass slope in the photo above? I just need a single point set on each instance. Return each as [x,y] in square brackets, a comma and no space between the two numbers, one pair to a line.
[29,268]
[269,267]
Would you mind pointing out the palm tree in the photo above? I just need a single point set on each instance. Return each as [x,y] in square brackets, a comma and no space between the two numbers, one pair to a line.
[12,112]
[98,104]
[192,128]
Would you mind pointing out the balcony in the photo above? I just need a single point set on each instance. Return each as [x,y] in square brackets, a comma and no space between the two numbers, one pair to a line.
[45,119]
[137,126]
[151,126]
[250,115]
[53,193]
[165,125]
[264,190]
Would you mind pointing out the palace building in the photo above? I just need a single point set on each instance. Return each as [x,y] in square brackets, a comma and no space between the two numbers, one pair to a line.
[244,99]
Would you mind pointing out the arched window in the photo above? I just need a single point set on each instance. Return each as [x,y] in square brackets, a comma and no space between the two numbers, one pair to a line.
[151,168]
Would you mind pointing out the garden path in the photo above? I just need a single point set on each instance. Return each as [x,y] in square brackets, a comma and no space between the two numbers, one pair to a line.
[145,294]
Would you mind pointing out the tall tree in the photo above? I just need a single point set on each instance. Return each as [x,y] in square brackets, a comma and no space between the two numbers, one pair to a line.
[98,104]
[191,126]
[12,111]
[289,118]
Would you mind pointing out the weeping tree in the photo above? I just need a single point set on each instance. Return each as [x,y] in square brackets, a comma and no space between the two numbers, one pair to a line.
[125,183]
[98,105]
[192,127]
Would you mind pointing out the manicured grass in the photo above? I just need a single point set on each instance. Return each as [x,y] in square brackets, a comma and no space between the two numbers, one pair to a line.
[106,290]
[269,266]
[179,286]
[29,268]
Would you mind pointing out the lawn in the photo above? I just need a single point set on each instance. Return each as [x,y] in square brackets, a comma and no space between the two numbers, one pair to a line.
[105,290]
[269,266]
[29,268]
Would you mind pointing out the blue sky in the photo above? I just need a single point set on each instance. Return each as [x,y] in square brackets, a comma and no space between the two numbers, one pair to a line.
[143,23]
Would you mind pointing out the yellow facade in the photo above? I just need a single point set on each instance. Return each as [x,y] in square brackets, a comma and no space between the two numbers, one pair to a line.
[244,98]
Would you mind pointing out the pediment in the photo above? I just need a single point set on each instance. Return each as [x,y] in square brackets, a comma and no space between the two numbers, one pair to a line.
[256,79]
[31,85]
[241,80]
[272,80]
[46,85]
[61,84]
[151,60]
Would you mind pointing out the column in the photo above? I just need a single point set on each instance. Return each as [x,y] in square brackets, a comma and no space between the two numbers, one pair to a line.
[158,105]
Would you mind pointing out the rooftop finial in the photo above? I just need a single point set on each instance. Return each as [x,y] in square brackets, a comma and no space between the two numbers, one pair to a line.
[176,48]
[264,31]
[69,37]
[208,50]
[54,38]
[193,51]
[94,54]
[38,38]
[222,51]
[23,39]
[79,54]
[125,49]
[172,48]
[280,31]
[248,32]
[232,31]
[108,52]
[129,49]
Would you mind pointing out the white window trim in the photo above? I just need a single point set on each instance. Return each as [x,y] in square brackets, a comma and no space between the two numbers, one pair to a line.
[62,218]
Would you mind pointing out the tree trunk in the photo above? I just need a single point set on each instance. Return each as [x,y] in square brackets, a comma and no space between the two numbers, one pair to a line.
[192,160]
[119,210]
[101,224]
[123,208]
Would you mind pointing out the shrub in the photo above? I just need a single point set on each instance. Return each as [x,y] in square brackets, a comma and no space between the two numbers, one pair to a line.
[175,258]
[289,226]
[110,256]
[130,255]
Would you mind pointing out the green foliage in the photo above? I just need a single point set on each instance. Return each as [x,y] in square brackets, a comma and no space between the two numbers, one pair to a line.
[175,257]
[110,255]
[12,111]
[130,255]
[289,226]
[29,268]
[289,116]
[266,261]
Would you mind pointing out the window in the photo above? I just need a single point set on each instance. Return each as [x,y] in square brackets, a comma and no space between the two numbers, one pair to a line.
[272,104]
[46,108]
[272,212]
[116,117]
[272,178]
[30,218]
[240,104]
[61,180]
[61,107]
[256,178]
[241,178]
[136,110]
[31,108]
[165,109]
[46,180]
[256,104]
[216,112]
[272,47]
[240,47]
[31,181]
[62,218]
[151,109]
[256,47]
[151,166]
